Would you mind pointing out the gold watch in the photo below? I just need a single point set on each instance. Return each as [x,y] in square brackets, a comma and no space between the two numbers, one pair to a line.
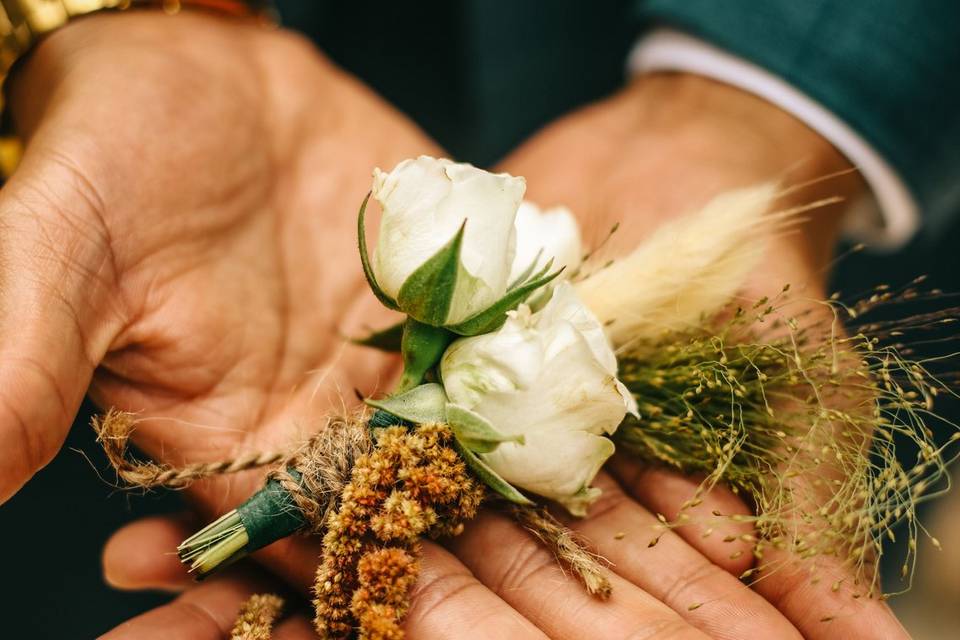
[23,22]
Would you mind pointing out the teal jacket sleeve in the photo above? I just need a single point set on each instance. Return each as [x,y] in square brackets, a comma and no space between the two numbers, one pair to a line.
[889,68]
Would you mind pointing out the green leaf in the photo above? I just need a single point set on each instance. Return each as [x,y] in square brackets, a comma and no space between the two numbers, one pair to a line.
[421,405]
[490,477]
[382,296]
[426,294]
[388,339]
[493,316]
[422,347]
[474,431]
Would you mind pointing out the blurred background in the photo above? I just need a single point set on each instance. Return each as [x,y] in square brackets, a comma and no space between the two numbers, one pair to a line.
[53,530]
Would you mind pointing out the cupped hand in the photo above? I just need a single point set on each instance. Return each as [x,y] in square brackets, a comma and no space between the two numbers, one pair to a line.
[665,146]
[180,234]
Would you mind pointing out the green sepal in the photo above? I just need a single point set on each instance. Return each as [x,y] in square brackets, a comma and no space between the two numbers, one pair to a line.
[389,339]
[493,316]
[422,346]
[427,293]
[474,431]
[490,477]
[526,273]
[421,405]
[539,274]
[382,296]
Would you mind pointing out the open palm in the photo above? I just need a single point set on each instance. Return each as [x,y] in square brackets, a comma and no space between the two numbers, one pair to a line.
[183,242]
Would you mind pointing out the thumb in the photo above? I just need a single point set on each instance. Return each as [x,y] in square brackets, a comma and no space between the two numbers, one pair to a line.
[56,321]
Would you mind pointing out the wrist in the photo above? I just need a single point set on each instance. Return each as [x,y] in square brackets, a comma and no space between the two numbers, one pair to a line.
[741,139]
[102,40]
[43,37]
[755,137]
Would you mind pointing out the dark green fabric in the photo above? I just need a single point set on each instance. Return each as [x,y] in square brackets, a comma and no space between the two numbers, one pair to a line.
[481,75]
[478,75]
[889,68]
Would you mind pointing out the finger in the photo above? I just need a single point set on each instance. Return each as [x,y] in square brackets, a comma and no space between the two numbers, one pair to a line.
[674,572]
[298,627]
[207,612]
[810,604]
[527,576]
[825,603]
[143,555]
[661,491]
[57,317]
[447,601]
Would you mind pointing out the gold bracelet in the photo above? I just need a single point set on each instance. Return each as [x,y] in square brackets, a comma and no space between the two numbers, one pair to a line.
[23,22]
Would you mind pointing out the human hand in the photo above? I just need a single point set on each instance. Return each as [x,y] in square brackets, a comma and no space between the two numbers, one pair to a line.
[664,146]
[497,582]
[180,234]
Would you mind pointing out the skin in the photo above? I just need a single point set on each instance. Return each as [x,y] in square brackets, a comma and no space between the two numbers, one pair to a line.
[179,239]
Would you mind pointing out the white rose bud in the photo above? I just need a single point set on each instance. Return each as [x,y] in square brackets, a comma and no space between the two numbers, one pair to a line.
[550,377]
[552,235]
[425,203]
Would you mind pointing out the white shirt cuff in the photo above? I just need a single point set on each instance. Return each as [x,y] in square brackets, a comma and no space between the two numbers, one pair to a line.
[888,218]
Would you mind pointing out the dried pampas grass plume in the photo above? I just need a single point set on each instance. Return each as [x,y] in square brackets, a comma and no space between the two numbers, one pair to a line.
[689,268]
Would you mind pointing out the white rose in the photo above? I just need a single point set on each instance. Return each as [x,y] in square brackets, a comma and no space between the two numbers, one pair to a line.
[425,202]
[552,235]
[550,377]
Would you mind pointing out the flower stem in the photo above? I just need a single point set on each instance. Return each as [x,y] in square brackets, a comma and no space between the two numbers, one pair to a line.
[269,515]
[422,347]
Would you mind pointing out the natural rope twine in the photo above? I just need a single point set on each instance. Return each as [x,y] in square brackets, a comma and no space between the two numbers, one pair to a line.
[113,431]
[324,462]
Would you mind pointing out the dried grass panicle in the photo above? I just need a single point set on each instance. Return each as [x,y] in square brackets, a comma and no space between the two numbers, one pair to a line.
[256,617]
[113,431]
[324,462]
[412,483]
[563,542]
[804,421]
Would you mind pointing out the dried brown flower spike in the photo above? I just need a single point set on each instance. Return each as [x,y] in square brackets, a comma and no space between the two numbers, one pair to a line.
[411,484]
